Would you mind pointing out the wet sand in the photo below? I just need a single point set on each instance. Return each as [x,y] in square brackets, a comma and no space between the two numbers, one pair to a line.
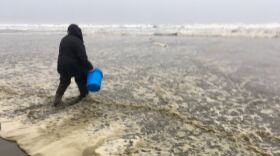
[10,149]
[165,95]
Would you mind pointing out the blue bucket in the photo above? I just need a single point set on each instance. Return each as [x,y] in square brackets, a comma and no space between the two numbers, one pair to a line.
[94,79]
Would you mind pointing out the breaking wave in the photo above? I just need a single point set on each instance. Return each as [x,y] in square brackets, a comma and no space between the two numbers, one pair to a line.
[222,30]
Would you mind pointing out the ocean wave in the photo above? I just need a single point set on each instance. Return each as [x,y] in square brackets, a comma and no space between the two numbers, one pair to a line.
[219,30]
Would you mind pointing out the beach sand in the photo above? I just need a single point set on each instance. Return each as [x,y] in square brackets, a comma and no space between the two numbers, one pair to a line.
[164,95]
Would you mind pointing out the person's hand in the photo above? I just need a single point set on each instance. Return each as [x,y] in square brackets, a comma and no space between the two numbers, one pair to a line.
[91,70]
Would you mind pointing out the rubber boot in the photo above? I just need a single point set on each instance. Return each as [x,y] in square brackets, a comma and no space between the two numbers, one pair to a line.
[64,83]
[57,100]
[78,99]
[81,82]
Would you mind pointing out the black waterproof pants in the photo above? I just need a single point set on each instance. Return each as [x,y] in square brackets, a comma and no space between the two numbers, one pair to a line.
[65,81]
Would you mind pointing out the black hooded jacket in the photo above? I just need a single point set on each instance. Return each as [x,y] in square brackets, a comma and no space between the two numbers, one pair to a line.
[72,58]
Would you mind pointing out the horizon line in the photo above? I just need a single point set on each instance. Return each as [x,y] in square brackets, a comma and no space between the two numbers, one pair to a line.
[234,23]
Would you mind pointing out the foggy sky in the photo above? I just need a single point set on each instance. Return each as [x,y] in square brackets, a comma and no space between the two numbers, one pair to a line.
[139,11]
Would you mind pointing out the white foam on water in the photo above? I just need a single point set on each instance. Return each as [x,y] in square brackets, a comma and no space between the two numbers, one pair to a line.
[223,30]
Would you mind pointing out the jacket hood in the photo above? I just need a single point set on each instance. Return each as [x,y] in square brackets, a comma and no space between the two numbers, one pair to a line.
[75,30]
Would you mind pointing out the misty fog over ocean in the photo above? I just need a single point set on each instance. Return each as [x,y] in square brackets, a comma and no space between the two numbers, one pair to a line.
[139,12]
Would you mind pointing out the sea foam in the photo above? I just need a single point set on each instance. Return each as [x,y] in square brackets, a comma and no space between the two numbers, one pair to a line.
[205,30]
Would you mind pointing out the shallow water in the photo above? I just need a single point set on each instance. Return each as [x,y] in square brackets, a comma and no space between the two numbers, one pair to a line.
[10,149]
[163,96]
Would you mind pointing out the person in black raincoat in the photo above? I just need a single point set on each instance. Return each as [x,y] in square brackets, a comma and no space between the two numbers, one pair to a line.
[72,62]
